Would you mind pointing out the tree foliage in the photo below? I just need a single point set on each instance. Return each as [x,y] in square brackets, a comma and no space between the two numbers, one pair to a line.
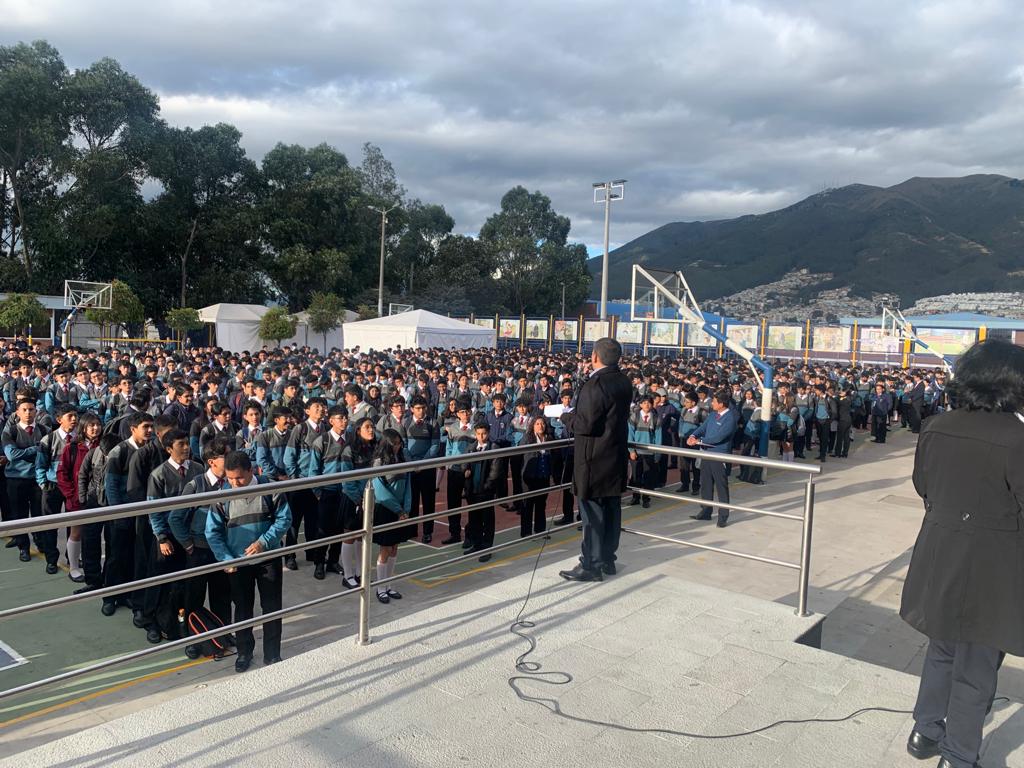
[276,325]
[183,319]
[326,312]
[126,309]
[20,311]
[94,183]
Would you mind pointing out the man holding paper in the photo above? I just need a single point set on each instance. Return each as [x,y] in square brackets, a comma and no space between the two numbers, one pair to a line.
[715,435]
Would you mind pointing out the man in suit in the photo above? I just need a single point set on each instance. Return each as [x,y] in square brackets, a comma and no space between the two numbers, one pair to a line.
[600,429]
[916,412]
[715,434]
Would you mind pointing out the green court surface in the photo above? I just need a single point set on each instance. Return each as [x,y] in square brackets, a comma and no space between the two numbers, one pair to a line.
[62,639]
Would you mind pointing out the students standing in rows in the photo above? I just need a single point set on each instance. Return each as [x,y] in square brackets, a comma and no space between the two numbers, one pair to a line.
[422,441]
[304,504]
[247,527]
[188,526]
[21,439]
[326,459]
[47,460]
[162,602]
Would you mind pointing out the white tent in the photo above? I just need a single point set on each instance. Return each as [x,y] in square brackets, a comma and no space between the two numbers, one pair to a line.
[416,329]
[237,328]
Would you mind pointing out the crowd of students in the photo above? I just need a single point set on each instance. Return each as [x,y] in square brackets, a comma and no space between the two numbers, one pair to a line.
[91,428]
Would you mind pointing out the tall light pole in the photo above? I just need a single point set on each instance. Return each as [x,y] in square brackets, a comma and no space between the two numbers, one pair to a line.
[605,192]
[563,301]
[383,226]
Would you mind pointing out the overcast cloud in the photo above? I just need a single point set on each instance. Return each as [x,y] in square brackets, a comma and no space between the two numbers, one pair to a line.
[710,108]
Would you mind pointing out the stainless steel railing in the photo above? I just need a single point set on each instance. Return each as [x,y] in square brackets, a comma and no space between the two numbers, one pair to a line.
[807,518]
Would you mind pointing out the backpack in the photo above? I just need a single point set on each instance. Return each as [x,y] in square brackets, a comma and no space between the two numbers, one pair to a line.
[801,426]
[203,620]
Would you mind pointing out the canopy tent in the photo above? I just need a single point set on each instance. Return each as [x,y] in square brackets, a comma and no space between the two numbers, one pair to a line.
[417,329]
[237,328]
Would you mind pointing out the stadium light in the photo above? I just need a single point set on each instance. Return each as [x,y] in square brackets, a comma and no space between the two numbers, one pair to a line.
[613,190]
[383,226]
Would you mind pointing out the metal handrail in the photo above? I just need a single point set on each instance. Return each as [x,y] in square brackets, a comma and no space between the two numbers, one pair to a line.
[807,518]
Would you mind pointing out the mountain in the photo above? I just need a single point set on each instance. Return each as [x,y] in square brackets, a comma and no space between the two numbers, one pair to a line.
[924,237]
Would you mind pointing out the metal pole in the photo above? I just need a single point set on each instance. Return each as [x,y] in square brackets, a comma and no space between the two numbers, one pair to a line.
[805,549]
[366,565]
[563,301]
[380,284]
[604,261]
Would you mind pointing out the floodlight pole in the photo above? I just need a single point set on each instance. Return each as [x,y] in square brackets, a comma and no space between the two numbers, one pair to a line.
[609,188]
[383,227]
[563,301]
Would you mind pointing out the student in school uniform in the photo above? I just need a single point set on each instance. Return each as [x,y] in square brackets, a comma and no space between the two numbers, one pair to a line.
[21,438]
[645,429]
[483,482]
[271,445]
[69,468]
[188,527]
[537,471]
[392,502]
[161,603]
[422,441]
[691,417]
[220,425]
[358,454]
[47,460]
[246,527]
[297,457]
[247,438]
[460,439]
[326,459]
[91,495]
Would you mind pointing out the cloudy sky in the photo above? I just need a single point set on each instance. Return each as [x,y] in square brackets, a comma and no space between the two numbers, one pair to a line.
[709,108]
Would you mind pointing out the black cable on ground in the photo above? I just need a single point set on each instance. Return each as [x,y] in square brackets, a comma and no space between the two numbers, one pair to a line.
[533,671]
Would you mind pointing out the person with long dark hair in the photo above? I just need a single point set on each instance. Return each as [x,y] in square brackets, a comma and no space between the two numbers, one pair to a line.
[965,585]
[358,454]
[536,475]
[84,439]
[392,495]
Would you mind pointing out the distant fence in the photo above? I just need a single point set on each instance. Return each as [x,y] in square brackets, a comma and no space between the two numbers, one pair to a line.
[856,344]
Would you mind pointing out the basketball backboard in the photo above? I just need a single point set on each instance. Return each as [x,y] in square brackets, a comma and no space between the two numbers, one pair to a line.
[83,294]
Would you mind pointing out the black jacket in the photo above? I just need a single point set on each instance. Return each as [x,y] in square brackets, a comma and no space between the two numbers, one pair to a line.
[966,577]
[599,424]
[486,477]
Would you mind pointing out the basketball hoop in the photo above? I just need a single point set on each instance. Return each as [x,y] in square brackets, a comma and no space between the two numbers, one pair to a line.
[84,294]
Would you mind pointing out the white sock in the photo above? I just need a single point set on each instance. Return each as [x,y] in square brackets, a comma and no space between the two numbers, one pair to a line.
[74,557]
[349,567]
[382,576]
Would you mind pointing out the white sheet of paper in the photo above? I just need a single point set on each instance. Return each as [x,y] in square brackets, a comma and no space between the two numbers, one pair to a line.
[554,411]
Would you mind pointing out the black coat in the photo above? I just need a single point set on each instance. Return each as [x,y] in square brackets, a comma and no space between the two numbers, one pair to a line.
[599,424]
[966,577]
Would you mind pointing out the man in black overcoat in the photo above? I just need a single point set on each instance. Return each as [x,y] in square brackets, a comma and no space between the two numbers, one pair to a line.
[965,585]
[599,425]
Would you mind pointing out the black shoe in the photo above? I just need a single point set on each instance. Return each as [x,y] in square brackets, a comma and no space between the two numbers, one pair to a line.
[468,544]
[579,573]
[635,500]
[695,492]
[79,579]
[153,634]
[193,652]
[350,583]
[564,520]
[427,538]
[319,572]
[272,660]
[701,516]
[722,521]
[107,609]
[11,544]
[608,568]
[24,556]
[139,620]
[921,747]
[485,558]
[394,594]
[383,597]
[646,504]
[291,565]
[87,588]
[51,568]
[334,568]
[451,540]
[944,763]
[242,662]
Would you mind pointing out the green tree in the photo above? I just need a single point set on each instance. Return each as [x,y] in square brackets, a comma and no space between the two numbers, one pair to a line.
[459,279]
[299,273]
[21,311]
[326,312]
[528,241]
[366,312]
[34,134]
[126,311]
[276,325]
[416,244]
[379,180]
[182,320]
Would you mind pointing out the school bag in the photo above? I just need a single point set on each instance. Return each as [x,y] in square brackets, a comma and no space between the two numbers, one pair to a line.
[203,620]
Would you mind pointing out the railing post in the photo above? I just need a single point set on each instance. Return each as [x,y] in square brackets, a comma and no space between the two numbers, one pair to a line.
[805,549]
[366,568]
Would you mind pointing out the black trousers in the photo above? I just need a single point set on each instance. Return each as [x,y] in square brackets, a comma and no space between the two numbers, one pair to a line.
[456,486]
[689,474]
[52,503]
[480,523]
[533,518]
[879,427]
[602,526]
[215,586]
[119,567]
[824,433]
[265,577]
[304,506]
[146,552]
[843,438]
[94,535]
[424,495]
[958,683]
[914,416]
[645,473]
[329,520]
[714,481]
[156,598]
[26,501]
